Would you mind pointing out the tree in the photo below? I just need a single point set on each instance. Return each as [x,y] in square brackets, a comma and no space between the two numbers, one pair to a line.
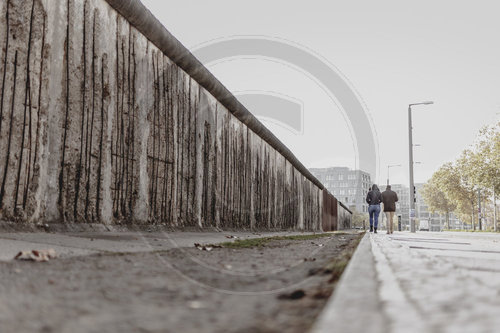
[457,190]
[484,158]
[480,164]
[454,187]
[472,172]
[358,219]
[437,200]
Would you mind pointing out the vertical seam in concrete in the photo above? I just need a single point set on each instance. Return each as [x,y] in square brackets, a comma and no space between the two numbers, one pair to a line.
[27,91]
[87,126]
[30,164]
[99,168]
[166,101]
[66,58]
[28,84]
[131,147]
[188,141]
[114,136]
[91,136]
[5,63]
[180,141]
[84,96]
[2,191]
[126,159]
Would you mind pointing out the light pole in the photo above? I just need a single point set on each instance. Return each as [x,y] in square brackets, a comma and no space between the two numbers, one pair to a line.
[388,168]
[412,182]
[479,212]
[494,210]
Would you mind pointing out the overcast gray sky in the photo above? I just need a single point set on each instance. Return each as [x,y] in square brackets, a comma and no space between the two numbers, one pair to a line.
[392,52]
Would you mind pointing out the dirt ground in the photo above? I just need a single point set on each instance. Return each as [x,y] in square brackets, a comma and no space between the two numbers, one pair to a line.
[280,286]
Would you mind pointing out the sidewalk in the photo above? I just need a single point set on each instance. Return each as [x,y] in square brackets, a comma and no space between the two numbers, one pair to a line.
[423,282]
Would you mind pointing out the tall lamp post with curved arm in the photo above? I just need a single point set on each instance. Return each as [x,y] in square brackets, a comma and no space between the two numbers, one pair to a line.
[412,182]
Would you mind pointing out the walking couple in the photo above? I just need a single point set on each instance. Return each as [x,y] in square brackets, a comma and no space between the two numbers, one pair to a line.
[374,199]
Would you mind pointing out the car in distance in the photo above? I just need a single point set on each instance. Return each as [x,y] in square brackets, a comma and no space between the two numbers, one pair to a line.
[424,225]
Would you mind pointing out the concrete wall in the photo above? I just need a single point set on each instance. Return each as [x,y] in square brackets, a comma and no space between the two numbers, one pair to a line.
[344,217]
[100,126]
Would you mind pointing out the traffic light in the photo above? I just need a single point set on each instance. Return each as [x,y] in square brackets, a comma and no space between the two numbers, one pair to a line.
[414,194]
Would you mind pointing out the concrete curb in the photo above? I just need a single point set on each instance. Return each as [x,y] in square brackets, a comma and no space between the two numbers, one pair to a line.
[392,295]
[355,304]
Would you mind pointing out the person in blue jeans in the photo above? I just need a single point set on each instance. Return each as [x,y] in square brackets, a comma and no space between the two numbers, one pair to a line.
[374,198]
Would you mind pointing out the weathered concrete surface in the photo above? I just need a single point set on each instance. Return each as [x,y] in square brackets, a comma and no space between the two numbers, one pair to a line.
[175,290]
[85,243]
[99,126]
[424,282]
[353,306]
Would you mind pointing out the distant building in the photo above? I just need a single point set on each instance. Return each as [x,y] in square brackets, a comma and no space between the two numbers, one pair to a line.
[403,204]
[437,222]
[422,211]
[348,186]
[351,186]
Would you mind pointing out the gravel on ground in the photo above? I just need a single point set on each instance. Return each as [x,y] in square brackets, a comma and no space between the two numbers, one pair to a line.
[280,285]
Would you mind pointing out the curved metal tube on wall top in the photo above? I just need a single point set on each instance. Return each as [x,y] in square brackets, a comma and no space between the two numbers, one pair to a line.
[345,207]
[146,23]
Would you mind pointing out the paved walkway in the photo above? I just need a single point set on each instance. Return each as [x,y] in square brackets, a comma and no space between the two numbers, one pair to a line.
[423,282]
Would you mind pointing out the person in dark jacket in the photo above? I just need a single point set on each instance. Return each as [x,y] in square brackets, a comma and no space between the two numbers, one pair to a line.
[374,198]
[389,199]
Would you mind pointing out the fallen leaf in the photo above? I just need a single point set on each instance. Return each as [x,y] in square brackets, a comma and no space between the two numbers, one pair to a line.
[297,294]
[205,248]
[196,305]
[36,255]
[322,294]
[315,271]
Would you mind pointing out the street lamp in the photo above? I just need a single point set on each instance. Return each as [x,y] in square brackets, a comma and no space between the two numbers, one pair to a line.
[388,168]
[412,183]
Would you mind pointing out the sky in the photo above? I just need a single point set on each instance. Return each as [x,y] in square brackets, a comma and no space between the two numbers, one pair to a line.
[390,52]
